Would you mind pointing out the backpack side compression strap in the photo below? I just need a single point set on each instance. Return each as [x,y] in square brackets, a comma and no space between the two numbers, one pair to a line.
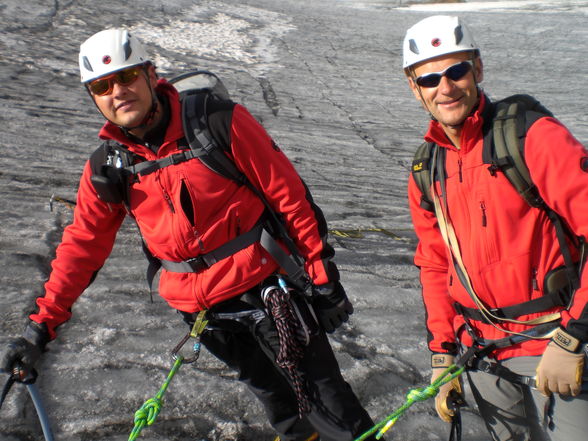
[421,172]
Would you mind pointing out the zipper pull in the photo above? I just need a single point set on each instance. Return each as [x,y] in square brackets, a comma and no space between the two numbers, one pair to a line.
[535,283]
[459,164]
[169,201]
[483,208]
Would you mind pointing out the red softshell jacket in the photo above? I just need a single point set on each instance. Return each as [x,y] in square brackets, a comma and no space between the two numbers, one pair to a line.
[219,211]
[507,246]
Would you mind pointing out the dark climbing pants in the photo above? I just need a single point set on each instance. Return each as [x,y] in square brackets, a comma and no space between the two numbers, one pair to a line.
[250,348]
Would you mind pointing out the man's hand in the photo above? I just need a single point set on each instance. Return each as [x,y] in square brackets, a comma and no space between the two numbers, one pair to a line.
[25,351]
[560,369]
[331,305]
[449,392]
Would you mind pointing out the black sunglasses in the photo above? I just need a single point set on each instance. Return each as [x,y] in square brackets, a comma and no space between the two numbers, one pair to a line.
[454,72]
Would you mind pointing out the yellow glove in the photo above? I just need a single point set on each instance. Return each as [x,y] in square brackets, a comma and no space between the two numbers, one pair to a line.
[440,362]
[560,369]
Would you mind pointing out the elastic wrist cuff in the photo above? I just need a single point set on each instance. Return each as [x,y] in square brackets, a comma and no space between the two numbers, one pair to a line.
[566,341]
[441,360]
[37,334]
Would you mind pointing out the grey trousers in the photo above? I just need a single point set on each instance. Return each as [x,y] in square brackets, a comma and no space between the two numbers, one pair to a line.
[513,412]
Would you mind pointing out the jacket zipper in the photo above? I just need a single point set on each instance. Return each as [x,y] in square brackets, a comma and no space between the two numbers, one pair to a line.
[459,164]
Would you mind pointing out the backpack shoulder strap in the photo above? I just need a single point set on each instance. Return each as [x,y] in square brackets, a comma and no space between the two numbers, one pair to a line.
[512,118]
[201,141]
[421,172]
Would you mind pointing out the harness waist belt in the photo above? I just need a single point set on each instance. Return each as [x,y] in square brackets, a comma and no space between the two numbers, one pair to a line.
[540,304]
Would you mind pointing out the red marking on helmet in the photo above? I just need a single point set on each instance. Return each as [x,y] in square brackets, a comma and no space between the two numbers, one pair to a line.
[436,42]
[106,59]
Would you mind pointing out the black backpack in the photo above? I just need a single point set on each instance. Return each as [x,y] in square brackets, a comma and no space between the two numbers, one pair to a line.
[114,166]
[506,123]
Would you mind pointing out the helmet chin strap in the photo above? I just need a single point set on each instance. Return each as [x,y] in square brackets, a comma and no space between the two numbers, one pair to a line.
[148,118]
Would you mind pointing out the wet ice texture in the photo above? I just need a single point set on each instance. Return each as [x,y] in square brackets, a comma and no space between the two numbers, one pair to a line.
[325,80]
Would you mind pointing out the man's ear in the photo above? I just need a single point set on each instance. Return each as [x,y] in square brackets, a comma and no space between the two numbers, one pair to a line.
[479,69]
[152,74]
[414,88]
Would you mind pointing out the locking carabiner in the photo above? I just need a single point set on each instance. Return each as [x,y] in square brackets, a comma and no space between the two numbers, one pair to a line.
[199,326]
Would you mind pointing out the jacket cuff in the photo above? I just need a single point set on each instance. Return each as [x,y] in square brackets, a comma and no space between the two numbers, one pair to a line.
[37,334]
[441,360]
[567,341]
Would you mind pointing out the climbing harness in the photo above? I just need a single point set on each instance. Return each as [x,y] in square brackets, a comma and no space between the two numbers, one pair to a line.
[471,359]
[28,378]
[149,411]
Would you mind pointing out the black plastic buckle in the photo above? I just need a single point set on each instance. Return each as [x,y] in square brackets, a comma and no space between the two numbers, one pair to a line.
[197,264]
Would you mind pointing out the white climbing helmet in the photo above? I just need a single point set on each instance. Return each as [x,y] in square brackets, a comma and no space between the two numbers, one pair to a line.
[109,51]
[435,36]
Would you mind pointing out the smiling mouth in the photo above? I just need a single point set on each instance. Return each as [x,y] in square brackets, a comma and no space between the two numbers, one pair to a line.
[447,103]
[123,104]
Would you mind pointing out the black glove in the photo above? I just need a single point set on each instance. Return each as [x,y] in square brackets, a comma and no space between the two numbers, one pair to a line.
[25,351]
[331,305]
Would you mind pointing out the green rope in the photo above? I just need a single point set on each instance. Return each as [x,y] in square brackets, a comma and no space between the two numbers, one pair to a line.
[148,412]
[413,396]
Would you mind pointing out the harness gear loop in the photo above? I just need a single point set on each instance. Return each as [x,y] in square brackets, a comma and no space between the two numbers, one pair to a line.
[149,411]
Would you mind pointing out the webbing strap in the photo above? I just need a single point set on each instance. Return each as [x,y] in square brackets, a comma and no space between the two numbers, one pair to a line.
[257,234]
[147,167]
[204,261]
[539,304]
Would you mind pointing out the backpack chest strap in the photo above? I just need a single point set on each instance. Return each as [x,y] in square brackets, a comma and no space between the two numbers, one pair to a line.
[147,167]
[204,261]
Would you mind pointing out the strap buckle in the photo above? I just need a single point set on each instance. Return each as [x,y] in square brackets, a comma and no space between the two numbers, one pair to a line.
[197,263]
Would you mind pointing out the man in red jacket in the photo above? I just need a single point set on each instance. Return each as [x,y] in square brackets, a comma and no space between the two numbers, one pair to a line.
[487,258]
[186,214]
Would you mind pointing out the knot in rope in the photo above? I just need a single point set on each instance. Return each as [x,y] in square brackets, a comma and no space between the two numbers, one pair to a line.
[149,411]
[146,415]
[422,393]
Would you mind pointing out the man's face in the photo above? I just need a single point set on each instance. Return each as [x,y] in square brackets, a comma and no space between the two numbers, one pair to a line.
[127,106]
[451,101]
